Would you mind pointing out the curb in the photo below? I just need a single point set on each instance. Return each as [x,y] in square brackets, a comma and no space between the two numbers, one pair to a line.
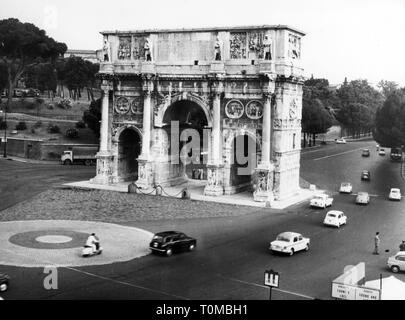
[24,160]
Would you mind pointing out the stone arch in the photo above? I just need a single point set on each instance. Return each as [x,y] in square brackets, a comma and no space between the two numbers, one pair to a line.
[185,96]
[129,141]
[117,132]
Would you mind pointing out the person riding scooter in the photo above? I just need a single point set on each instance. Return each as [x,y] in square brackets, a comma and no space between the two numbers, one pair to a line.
[92,246]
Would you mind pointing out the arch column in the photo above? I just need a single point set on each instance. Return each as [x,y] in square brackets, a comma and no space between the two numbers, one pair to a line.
[104,156]
[264,173]
[214,185]
[145,174]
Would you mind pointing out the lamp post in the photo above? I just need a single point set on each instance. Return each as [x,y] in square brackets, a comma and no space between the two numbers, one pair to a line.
[5,120]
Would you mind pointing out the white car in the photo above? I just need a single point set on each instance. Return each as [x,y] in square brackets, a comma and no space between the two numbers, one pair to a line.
[346,187]
[395,194]
[381,152]
[341,141]
[335,218]
[290,242]
[363,198]
[397,263]
[321,201]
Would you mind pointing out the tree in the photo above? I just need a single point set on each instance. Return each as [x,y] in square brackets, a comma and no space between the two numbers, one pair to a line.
[42,76]
[387,87]
[23,45]
[315,118]
[390,121]
[319,102]
[92,117]
[358,104]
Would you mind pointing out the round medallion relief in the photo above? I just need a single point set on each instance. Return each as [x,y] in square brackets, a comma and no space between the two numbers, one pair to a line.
[254,109]
[234,109]
[136,105]
[122,105]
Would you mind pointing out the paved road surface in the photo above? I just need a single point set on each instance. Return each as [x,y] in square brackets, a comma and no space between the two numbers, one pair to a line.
[232,253]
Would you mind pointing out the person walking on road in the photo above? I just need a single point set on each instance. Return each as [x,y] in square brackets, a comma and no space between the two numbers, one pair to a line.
[376,243]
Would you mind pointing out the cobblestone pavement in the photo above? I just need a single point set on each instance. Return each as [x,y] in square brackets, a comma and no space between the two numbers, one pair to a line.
[108,206]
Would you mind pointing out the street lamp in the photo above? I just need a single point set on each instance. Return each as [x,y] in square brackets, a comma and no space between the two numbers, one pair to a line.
[5,119]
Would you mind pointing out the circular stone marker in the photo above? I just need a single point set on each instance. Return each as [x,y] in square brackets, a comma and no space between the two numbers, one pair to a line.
[59,243]
[53,239]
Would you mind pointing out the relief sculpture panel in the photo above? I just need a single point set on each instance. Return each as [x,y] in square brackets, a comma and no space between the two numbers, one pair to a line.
[238,45]
[124,48]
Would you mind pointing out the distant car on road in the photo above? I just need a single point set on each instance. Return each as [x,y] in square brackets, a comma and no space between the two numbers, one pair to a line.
[395,194]
[363,198]
[365,175]
[341,141]
[381,152]
[4,282]
[346,187]
[321,201]
[289,242]
[397,262]
[335,218]
[396,154]
[365,153]
[169,242]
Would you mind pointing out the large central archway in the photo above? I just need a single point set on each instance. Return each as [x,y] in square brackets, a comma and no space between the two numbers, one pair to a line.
[129,148]
[184,122]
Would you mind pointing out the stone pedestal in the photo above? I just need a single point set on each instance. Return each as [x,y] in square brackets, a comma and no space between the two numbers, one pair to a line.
[266,67]
[107,67]
[145,176]
[214,181]
[217,67]
[104,170]
[148,67]
[264,184]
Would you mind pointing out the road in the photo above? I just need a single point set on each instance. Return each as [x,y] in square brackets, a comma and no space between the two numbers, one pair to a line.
[232,253]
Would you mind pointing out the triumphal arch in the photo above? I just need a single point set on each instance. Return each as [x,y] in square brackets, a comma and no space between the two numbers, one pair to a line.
[217,104]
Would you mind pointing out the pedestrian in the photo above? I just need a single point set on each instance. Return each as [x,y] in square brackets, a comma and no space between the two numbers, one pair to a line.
[402,246]
[376,243]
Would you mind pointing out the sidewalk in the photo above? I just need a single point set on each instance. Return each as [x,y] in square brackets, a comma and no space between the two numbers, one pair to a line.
[196,191]
[25,160]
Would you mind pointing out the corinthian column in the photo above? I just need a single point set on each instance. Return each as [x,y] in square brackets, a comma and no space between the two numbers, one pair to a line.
[104,157]
[216,129]
[266,132]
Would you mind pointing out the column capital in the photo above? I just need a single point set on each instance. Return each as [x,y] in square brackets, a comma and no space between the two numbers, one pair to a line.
[147,85]
[106,86]
[217,87]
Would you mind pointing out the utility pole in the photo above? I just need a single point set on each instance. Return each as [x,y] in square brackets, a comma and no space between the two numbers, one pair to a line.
[5,129]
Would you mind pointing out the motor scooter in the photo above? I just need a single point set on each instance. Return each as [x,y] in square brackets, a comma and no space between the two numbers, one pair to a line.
[89,251]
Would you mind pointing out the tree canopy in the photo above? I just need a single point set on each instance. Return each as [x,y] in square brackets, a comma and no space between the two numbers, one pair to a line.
[390,120]
[23,45]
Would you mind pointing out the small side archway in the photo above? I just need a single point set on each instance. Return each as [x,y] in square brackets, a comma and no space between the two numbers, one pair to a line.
[129,148]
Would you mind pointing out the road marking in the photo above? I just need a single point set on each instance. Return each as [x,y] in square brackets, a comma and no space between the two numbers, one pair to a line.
[266,287]
[104,278]
[338,154]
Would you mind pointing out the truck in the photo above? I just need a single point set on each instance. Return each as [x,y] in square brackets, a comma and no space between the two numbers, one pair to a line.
[84,155]
[396,154]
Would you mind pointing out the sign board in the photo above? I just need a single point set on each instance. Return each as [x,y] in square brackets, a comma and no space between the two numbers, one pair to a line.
[353,292]
[352,274]
[271,278]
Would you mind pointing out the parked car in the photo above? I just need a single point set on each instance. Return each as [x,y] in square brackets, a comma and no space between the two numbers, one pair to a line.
[335,218]
[365,175]
[396,154]
[289,242]
[346,187]
[4,282]
[395,194]
[169,242]
[397,262]
[363,198]
[341,141]
[321,201]
[381,152]
[365,153]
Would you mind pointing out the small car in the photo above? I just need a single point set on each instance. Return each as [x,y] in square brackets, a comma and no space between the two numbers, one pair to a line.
[346,187]
[362,198]
[365,153]
[395,194]
[381,152]
[335,218]
[4,282]
[397,262]
[365,175]
[289,242]
[169,242]
[341,141]
[321,201]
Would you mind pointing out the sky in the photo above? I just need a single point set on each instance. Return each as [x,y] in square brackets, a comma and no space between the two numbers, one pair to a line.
[357,39]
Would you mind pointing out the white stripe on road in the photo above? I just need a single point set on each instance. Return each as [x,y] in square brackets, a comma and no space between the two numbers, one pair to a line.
[338,154]
[266,287]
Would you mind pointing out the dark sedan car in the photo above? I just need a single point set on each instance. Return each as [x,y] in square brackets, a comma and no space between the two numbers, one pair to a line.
[365,175]
[4,282]
[365,153]
[169,242]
